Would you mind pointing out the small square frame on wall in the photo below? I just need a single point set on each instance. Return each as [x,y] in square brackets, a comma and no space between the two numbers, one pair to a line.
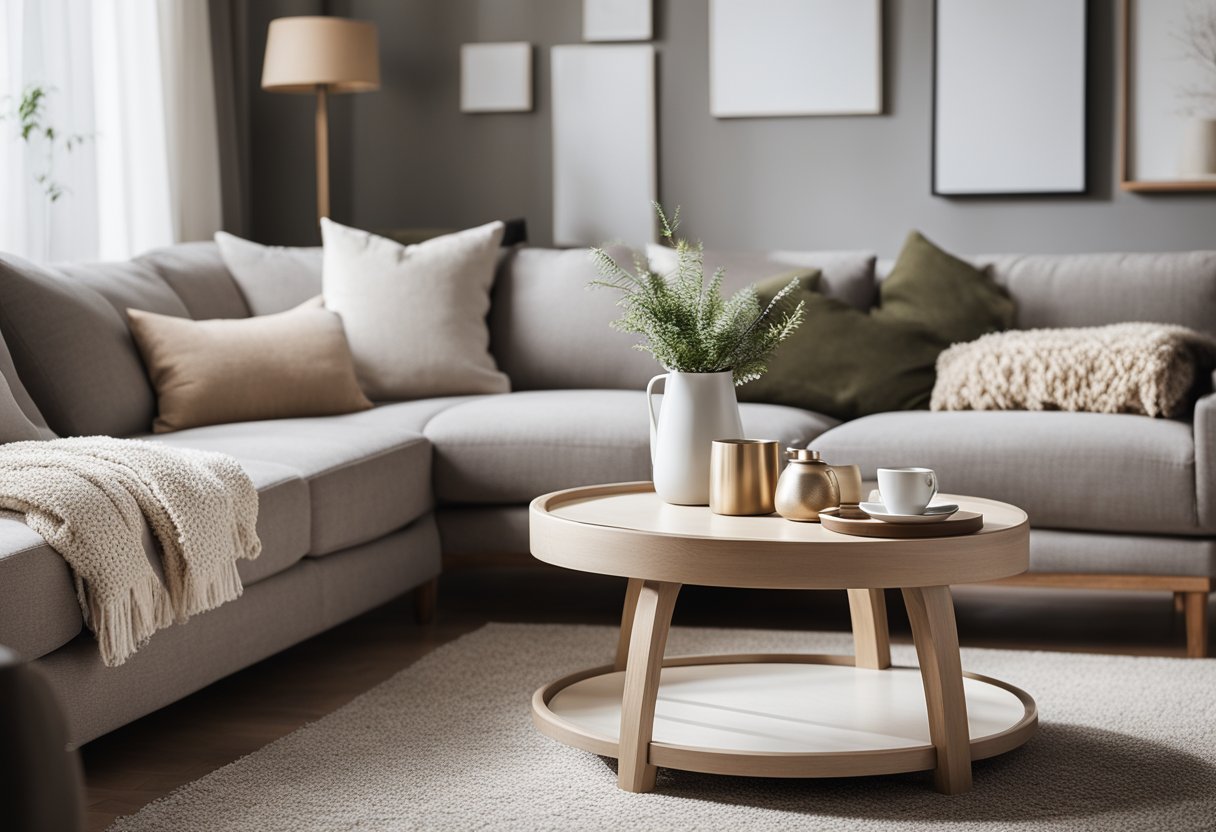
[1167,102]
[1009,119]
[617,20]
[496,78]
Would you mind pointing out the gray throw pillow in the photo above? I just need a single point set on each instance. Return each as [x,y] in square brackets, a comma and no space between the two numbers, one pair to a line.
[20,419]
[71,346]
[272,278]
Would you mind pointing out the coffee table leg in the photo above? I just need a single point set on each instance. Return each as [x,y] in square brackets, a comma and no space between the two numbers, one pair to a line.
[648,638]
[931,611]
[631,605]
[871,639]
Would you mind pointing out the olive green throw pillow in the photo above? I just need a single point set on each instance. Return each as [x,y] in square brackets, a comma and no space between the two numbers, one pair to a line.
[956,300]
[846,363]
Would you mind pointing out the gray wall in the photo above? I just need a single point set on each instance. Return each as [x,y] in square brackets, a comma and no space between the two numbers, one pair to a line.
[405,156]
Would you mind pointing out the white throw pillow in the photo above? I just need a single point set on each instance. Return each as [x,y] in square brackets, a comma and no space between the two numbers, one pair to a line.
[415,316]
[272,278]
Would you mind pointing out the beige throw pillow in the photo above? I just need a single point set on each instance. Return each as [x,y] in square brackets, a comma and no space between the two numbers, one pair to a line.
[293,363]
[1145,368]
[415,315]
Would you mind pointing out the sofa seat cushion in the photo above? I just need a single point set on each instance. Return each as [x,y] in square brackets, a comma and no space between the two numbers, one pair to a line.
[1085,471]
[38,608]
[283,519]
[509,449]
[368,473]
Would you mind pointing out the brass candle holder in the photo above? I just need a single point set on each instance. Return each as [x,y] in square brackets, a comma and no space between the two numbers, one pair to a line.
[743,476]
[848,478]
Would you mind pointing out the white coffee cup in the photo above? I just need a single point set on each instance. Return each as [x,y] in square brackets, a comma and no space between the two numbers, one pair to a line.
[907,490]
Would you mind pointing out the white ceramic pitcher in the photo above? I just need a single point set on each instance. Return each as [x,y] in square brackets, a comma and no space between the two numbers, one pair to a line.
[697,408]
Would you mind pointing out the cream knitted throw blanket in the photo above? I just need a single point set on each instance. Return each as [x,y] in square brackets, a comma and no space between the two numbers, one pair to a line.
[1122,368]
[90,498]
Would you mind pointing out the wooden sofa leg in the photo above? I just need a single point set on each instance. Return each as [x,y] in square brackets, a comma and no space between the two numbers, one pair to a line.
[426,599]
[1196,610]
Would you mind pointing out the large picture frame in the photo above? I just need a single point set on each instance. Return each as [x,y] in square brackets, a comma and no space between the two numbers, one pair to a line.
[1157,75]
[605,143]
[795,58]
[1009,119]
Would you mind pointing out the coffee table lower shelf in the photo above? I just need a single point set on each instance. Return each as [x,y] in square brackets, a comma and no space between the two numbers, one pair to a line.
[782,715]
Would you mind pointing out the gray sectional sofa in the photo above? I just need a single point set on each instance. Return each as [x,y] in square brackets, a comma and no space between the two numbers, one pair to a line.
[360,508]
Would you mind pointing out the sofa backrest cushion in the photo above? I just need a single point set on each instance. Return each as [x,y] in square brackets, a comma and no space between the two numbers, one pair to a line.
[70,343]
[1069,290]
[196,272]
[1096,289]
[548,331]
[20,418]
[271,278]
[847,275]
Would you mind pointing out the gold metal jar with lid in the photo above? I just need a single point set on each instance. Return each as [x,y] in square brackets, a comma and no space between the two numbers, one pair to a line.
[806,486]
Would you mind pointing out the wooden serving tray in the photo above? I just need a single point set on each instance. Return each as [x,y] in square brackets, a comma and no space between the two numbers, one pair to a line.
[961,522]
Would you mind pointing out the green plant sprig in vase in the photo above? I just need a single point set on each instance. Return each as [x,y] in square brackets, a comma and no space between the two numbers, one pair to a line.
[685,322]
[707,344]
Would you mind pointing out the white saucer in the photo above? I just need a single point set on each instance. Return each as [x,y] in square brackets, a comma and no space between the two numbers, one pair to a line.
[933,514]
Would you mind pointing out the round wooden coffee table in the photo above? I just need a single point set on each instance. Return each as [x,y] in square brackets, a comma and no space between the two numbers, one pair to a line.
[778,715]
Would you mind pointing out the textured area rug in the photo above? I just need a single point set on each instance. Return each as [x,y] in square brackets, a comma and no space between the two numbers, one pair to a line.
[448,744]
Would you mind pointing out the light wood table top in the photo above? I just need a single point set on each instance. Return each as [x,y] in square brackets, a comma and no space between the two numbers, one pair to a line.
[625,529]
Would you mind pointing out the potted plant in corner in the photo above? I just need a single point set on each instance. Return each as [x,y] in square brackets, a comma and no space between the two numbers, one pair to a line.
[707,344]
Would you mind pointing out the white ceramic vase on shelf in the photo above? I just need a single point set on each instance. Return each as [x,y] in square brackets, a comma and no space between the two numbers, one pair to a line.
[1198,158]
[697,408]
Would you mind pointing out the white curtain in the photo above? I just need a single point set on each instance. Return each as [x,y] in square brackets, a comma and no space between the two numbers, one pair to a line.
[134,78]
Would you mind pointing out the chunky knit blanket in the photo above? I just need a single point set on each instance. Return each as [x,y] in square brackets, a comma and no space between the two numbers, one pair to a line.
[1122,368]
[90,498]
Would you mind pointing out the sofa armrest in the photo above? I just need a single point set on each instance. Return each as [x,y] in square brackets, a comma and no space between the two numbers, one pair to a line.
[1205,458]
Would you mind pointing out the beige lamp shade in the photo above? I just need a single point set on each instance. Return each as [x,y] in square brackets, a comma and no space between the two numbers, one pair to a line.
[304,52]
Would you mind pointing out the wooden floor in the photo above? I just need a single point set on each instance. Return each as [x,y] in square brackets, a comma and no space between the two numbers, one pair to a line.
[238,715]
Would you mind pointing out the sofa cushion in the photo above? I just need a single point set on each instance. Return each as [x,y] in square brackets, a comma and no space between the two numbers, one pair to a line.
[1099,471]
[368,473]
[844,362]
[549,332]
[20,418]
[415,315]
[1094,289]
[71,345]
[293,363]
[271,278]
[284,514]
[38,607]
[197,274]
[847,275]
[953,298]
[510,449]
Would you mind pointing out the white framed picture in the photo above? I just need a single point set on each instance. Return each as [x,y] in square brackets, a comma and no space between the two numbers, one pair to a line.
[1168,95]
[495,77]
[605,173]
[1008,119]
[618,20]
[795,57]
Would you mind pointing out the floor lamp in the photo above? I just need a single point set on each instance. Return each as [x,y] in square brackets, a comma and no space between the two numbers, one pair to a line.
[321,55]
